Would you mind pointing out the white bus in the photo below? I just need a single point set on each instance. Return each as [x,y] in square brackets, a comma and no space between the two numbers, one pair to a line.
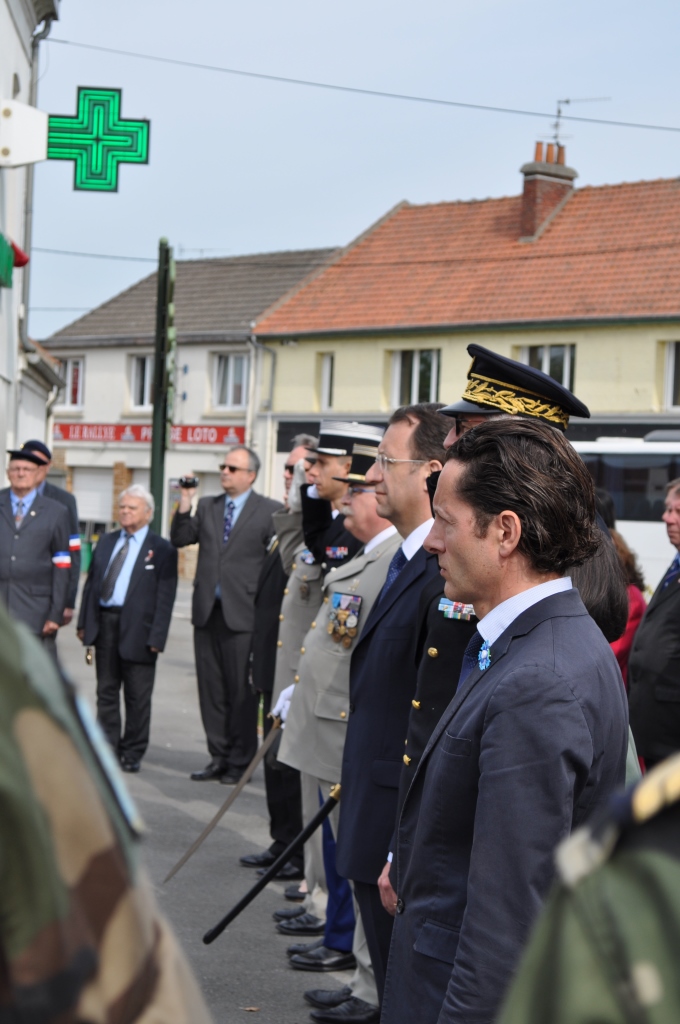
[635,471]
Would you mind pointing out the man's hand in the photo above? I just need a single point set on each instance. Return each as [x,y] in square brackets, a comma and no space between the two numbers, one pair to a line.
[283,703]
[388,896]
[68,615]
[299,480]
[155,650]
[50,628]
[80,633]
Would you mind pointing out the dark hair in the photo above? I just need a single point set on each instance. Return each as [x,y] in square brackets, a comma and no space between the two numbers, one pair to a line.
[531,469]
[631,569]
[601,584]
[604,503]
[427,440]
[253,459]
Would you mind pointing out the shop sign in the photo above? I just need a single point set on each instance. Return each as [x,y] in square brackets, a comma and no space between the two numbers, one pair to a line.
[140,433]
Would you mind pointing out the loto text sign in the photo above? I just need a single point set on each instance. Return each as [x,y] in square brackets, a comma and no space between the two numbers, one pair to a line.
[140,433]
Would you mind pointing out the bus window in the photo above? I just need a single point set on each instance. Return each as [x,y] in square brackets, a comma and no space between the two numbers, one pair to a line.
[637,483]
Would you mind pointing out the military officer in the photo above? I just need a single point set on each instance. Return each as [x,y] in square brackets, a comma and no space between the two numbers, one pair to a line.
[34,553]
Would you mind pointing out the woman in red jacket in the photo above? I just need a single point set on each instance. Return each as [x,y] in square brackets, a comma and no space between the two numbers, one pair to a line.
[636,602]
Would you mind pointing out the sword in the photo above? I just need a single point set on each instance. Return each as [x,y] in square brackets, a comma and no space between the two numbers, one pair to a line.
[230,799]
[282,859]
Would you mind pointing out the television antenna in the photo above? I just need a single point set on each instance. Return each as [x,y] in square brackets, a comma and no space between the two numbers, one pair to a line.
[557,123]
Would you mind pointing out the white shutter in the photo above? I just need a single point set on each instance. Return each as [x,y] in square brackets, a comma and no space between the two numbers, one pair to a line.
[93,490]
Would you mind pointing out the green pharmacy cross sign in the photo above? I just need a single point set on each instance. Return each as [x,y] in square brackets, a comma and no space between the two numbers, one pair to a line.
[98,140]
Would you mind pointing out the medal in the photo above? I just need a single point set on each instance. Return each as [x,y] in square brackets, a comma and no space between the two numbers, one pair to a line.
[343,619]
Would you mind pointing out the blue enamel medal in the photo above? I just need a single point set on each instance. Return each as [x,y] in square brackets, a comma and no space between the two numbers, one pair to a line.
[484,656]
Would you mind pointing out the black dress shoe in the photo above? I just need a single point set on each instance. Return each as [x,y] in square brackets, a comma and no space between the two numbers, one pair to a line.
[305,924]
[231,776]
[128,765]
[303,947]
[294,893]
[288,913]
[258,860]
[323,959]
[325,998]
[352,1011]
[214,770]
[288,871]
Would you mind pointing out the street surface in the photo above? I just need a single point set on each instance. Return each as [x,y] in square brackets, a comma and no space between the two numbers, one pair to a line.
[246,968]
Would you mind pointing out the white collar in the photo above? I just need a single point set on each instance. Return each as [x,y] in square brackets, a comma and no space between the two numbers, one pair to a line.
[379,538]
[505,613]
[414,541]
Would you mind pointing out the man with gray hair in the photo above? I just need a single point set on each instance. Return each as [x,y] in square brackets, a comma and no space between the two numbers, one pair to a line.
[125,614]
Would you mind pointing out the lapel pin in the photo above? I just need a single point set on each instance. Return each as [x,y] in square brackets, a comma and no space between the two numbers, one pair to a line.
[32,513]
[484,656]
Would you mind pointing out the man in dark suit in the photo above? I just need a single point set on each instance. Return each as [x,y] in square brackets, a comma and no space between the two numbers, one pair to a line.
[42,452]
[125,613]
[34,555]
[382,671]
[534,739]
[654,663]
[233,531]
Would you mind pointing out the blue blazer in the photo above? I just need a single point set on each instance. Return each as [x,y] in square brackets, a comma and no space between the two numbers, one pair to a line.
[522,755]
[382,685]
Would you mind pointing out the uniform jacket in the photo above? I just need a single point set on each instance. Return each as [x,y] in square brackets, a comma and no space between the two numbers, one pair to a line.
[66,499]
[235,565]
[654,676]
[382,686]
[147,609]
[522,755]
[268,598]
[32,586]
[316,726]
[323,533]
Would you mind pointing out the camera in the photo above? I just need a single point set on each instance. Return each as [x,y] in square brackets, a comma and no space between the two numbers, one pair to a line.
[188,481]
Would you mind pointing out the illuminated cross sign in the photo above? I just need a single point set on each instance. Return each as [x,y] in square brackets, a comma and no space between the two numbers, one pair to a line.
[98,140]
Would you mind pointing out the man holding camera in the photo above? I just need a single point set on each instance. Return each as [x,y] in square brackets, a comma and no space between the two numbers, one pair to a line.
[233,531]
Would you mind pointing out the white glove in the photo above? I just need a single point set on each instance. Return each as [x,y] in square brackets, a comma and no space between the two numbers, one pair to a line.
[283,703]
[299,478]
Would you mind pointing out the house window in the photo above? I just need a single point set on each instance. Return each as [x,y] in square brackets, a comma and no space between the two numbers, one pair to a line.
[415,376]
[73,372]
[327,371]
[230,390]
[673,375]
[142,382]
[558,361]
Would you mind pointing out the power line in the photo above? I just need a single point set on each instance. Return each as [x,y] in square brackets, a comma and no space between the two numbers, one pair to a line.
[362,92]
[60,309]
[240,262]
[96,255]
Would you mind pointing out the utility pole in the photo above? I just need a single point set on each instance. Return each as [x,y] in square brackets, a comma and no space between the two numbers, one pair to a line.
[163,376]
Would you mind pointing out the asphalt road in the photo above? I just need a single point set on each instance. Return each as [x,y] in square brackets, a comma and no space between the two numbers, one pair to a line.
[244,974]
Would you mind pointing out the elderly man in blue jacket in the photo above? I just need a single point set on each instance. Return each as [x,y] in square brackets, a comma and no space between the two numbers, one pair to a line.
[534,739]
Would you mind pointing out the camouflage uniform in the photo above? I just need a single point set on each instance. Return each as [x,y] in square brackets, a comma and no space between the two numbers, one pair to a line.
[81,939]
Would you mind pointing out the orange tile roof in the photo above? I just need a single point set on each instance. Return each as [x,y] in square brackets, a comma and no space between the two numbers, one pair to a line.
[611,252]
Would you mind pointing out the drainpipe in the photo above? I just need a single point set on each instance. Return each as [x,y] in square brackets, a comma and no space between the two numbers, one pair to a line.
[254,400]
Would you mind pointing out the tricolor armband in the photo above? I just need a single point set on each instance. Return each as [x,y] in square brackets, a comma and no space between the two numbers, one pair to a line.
[62,560]
[74,542]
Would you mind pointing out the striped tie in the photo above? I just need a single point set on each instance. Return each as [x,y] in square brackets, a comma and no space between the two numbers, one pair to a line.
[114,570]
[228,520]
[673,572]
[19,514]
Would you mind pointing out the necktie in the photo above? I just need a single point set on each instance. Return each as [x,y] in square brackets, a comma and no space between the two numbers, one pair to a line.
[399,560]
[470,657]
[114,570]
[228,520]
[673,572]
[19,514]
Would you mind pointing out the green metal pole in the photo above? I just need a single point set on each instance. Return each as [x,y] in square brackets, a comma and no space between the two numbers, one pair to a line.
[160,384]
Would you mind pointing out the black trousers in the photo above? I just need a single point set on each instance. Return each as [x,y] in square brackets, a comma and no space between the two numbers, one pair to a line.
[137,682]
[228,704]
[377,928]
[284,798]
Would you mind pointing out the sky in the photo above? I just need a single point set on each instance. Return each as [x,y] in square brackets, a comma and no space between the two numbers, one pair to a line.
[241,165]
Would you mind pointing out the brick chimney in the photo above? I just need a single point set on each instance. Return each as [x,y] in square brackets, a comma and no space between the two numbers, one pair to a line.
[547,184]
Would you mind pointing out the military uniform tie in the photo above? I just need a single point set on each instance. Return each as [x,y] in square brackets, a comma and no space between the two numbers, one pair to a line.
[471,654]
[114,570]
[228,520]
[673,572]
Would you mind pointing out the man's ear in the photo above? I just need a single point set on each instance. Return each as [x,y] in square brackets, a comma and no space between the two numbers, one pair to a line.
[511,531]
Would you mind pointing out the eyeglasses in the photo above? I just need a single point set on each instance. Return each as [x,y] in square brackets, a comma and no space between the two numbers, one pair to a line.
[22,469]
[383,461]
[235,469]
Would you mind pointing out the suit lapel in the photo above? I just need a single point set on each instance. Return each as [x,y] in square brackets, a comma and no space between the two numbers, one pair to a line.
[6,508]
[243,516]
[138,568]
[34,511]
[218,515]
[659,595]
[410,572]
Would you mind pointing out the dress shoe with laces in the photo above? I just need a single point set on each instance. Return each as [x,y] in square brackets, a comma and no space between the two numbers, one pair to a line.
[287,871]
[288,913]
[214,770]
[326,998]
[258,860]
[305,924]
[303,947]
[351,1011]
[323,959]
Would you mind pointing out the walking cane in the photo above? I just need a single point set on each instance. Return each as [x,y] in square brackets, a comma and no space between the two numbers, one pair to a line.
[282,859]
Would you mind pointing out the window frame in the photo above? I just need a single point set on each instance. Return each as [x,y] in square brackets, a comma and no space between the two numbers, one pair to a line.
[326,381]
[148,381]
[672,368]
[569,367]
[230,357]
[66,370]
[396,375]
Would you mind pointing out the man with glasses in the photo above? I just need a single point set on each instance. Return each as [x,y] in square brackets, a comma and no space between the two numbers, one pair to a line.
[233,531]
[34,552]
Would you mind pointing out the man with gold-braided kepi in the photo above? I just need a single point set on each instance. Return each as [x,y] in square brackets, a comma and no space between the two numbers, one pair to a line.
[81,939]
